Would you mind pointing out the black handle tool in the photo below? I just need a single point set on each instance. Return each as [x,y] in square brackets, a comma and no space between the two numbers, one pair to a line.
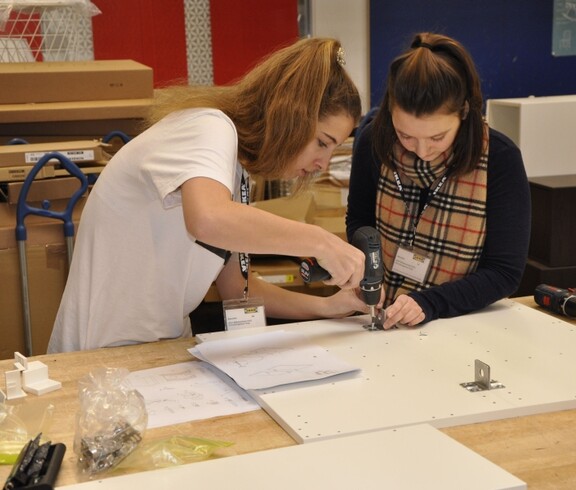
[366,239]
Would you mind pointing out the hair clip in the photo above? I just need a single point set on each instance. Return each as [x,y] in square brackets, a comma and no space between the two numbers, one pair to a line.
[340,56]
[425,45]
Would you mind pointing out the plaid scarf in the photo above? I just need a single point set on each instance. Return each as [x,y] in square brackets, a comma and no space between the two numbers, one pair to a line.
[452,228]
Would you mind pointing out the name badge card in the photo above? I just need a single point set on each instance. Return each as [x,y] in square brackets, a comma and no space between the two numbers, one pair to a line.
[411,264]
[244,313]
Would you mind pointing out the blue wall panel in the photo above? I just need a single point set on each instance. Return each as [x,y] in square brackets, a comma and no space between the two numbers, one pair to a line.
[510,41]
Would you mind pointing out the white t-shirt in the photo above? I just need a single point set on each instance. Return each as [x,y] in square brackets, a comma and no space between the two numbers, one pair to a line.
[136,272]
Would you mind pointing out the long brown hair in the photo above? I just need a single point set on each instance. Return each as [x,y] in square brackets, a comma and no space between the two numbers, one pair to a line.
[276,106]
[436,73]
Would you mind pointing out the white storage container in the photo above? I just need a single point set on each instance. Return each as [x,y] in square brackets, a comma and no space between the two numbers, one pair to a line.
[543,127]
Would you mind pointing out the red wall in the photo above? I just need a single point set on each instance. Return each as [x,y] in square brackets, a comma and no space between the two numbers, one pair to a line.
[245,31]
[147,31]
[153,33]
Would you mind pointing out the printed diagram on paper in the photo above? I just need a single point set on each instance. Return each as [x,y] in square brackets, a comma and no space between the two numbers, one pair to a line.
[188,391]
[270,359]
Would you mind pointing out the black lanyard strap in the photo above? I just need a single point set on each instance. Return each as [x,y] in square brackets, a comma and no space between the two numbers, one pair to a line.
[244,258]
[415,219]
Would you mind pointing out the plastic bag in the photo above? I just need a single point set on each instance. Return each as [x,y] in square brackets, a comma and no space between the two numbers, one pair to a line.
[13,435]
[171,451]
[17,422]
[111,420]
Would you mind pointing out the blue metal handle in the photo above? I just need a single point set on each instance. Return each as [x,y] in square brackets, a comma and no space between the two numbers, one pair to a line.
[23,209]
[17,141]
[116,134]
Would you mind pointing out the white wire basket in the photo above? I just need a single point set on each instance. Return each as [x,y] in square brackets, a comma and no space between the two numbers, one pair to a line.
[46,30]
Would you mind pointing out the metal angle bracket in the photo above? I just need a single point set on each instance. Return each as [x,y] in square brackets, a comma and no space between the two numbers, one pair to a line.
[482,380]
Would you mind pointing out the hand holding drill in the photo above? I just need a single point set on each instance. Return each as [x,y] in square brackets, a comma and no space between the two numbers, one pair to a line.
[367,239]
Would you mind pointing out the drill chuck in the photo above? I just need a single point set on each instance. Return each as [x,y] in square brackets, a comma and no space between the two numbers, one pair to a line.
[558,300]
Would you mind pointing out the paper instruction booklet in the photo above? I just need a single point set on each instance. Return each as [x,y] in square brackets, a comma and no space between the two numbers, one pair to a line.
[270,359]
[188,391]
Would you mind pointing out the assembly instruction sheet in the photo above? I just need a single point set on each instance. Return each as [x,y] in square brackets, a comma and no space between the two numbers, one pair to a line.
[188,391]
[265,360]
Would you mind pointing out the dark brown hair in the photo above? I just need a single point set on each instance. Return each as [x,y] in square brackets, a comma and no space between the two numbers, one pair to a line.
[435,74]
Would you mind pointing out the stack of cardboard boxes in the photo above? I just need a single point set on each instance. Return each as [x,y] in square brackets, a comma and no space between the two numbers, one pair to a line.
[59,101]
[66,107]
[18,160]
[324,205]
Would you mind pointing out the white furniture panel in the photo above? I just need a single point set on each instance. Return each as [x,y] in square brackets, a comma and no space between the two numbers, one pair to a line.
[408,458]
[544,128]
[413,376]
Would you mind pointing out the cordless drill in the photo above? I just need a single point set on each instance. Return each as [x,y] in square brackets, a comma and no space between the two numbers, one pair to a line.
[560,301]
[366,239]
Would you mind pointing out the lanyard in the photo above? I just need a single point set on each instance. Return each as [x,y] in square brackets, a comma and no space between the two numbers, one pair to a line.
[244,258]
[414,220]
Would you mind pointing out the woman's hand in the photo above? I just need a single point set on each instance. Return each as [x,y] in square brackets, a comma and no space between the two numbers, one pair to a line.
[404,311]
[344,262]
[213,218]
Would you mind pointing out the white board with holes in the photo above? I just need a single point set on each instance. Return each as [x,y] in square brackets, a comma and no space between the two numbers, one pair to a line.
[412,376]
[403,459]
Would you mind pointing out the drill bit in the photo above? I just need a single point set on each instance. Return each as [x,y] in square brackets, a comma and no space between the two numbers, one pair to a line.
[376,320]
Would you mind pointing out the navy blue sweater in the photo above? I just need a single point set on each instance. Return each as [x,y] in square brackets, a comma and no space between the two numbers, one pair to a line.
[507,227]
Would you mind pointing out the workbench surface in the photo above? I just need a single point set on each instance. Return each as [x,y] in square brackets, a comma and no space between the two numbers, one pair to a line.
[538,449]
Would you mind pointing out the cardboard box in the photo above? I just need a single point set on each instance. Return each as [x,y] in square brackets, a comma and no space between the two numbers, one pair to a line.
[5,140]
[321,205]
[52,189]
[47,262]
[75,81]
[74,111]
[47,267]
[73,121]
[76,151]
[276,270]
[333,224]
[48,171]
[330,196]
[298,208]
[282,271]
[69,130]
[18,174]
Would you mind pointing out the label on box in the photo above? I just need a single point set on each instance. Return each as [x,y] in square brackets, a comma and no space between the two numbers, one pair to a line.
[18,174]
[73,155]
[279,278]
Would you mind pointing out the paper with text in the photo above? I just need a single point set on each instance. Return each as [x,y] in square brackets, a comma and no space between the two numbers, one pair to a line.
[188,391]
[270,359]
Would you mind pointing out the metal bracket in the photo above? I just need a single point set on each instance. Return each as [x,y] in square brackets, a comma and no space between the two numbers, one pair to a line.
[376,323]
[482,380]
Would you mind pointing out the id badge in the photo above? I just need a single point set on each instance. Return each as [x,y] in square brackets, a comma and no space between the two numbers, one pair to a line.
[244,313]
[411,263]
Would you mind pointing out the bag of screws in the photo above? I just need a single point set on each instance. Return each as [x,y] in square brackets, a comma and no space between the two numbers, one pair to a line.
[111,420]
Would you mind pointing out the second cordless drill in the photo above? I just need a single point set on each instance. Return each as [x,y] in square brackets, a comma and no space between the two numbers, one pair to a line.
[366,239]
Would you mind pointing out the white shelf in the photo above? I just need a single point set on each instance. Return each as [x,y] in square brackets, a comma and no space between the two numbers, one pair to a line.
[544,128]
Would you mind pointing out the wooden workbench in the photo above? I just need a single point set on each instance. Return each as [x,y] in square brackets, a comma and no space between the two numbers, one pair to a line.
[539,449]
